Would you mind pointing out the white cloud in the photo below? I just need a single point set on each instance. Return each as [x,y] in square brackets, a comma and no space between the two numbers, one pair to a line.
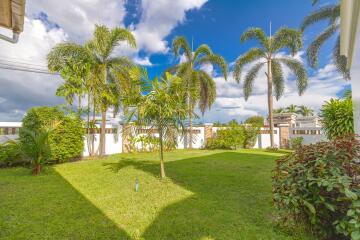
[21,90]
[158,19]
[78,17]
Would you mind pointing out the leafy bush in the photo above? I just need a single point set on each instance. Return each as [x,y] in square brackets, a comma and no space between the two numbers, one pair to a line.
[296,142]
[337,118]
[256,121]
[65,141]
[233,137]
[10,154]
[319,185]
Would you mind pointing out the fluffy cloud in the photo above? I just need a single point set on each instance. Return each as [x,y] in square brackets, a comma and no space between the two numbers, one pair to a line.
[78,17]
[158,18]
[21,90]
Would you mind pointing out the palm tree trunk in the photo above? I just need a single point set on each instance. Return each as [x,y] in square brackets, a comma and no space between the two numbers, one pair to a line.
[79,104]
[88,140]
[93,152]
[190,125]
[162,167]
[270,102]
[102,132]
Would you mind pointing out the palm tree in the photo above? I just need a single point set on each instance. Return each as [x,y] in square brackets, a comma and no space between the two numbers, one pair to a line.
[163,108]
[109,74]
[331,15]
[199,85]
[267,55]
[279,110]
[305,111]
[292,108]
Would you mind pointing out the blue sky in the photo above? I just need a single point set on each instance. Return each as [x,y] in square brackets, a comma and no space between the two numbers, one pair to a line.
[155,23]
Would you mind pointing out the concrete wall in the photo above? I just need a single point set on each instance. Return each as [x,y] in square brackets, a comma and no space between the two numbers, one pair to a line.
[309,136]
[263,140]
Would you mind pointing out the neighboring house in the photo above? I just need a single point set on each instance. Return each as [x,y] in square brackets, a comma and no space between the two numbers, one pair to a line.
[9,131]
[350,47]
[293,125]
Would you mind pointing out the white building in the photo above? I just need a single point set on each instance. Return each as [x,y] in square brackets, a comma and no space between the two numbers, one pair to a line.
[350,47]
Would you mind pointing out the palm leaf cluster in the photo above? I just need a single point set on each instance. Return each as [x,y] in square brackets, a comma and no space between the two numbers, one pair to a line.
[199,84]
[302,110]
[331,15]
[93,70]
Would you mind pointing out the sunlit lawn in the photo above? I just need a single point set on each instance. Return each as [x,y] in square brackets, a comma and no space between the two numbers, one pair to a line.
[207,195]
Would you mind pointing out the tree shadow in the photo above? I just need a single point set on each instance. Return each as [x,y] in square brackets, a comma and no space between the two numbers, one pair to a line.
[49,207]
[232,197]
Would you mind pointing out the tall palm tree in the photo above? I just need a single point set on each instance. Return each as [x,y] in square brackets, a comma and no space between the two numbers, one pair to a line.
[267,55]
[331,15]
[199,85]
[109,74]
[305,111]
[292,108]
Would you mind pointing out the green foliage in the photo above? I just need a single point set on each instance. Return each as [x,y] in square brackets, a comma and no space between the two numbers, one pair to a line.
[319,185]
[257,121]
[10,154]
[38,150]
[234,136]
[337,117]
[65,141]
[296,142]
[163,108]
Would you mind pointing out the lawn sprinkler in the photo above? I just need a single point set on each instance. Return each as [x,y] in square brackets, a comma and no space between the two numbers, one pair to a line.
[136,185]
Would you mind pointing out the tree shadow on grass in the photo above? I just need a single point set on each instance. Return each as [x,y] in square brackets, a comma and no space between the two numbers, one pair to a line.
[48,207]
[232,198]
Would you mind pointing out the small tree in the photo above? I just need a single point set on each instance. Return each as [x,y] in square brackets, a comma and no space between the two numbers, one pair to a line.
[256,121]
[39,150]
[163,107]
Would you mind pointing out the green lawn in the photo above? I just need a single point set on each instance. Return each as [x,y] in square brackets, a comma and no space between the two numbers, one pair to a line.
[207,195]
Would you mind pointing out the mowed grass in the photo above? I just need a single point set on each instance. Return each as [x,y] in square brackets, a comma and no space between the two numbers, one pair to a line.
[207,195]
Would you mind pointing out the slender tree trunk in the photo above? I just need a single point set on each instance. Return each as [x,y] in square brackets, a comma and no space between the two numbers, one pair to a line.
[93,152]
[37,169]
[102,132]
[103,121]
[79,104]
[88,140]
[270,102]
[162,167]
[190,125]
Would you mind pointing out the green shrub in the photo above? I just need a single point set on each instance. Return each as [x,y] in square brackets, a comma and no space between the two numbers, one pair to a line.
[319,185]
[65,141]
[337,118]
[10,154]
[296,142]
[256,121]
[233,137]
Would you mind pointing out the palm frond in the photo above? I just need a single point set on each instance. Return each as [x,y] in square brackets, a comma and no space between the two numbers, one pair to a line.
[278,78]
[255,34]
[203,49]
[217,61]
[287,38]
[180,43]
[330,13]
[122,35]
[249,79]
[299,71]
[340,61]
[207,91]
[312,51]
[252,55]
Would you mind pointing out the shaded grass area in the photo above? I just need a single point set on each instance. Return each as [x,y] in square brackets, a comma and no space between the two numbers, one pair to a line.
[207,195]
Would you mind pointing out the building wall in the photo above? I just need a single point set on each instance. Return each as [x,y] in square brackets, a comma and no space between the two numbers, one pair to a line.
[309,134]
